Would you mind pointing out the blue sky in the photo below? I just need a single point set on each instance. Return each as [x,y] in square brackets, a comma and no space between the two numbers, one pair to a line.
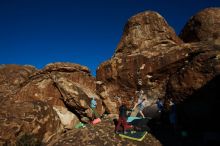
[38,32]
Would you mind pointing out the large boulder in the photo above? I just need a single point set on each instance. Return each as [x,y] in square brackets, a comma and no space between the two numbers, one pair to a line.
[63,85]
[203,26]
[198,81]
[150,57]
[146,40]
[148,44]
[76,86]
[27,123]
[58,84]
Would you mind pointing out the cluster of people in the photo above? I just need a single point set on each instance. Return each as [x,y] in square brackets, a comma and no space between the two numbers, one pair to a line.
[122,121]
[140,105]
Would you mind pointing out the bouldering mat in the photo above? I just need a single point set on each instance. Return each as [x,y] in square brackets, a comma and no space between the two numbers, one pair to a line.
[139,124]
[134,135]
[130,119]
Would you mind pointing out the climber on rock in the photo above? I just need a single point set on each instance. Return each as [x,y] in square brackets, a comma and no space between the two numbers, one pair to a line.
[142,100]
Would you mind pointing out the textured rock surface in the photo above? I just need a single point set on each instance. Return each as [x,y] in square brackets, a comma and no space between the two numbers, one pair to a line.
[149,57]
[200,67]
[27,123]
[62,84]
[148,44]
[76,86]
[12,77]
[67,118]
[40,87]
[204,26]
[99,135]
[166,67]
[146,41]
[146,30]
[41,101]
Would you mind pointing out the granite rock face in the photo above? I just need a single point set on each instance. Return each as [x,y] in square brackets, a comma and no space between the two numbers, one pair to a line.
[203,26]
[12,77]
[27,123]
[77,88]
[63,84]
[62,88]
[146,31]
[150,57]
[146,42]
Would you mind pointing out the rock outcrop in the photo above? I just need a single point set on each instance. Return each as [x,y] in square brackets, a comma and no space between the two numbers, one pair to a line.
[64,85]
[204,26]
[149,57]
[27,123]
[146,31]
[143,49]
[12,77]
[44,99]
[198,82]
[152,58]
[76,86]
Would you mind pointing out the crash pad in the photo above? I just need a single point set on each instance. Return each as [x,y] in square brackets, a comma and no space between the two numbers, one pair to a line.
[140,124]
[130,119]
[96,121]
[134,135]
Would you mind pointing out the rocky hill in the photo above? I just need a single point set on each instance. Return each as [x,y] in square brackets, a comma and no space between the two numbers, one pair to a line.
[151,54]
[41,107]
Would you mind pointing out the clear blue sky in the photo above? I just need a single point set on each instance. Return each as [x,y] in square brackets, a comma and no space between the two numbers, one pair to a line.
[38,32]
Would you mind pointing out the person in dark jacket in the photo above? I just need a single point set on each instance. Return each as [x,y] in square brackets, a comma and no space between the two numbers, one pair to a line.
[122,121]
[172,114]
[160,104]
